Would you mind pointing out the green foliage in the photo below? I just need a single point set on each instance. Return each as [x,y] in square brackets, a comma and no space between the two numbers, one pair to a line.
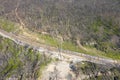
[103,32]
[96,25]
[20,61]
[97,71]
[49,40]
[71,20]
[7,25]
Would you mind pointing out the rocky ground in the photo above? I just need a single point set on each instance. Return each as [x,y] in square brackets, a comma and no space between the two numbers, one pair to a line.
[59,70]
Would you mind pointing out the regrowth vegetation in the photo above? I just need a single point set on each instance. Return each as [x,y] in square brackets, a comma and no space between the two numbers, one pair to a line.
[91,24]
[94,71]
[7,25]
[20,62]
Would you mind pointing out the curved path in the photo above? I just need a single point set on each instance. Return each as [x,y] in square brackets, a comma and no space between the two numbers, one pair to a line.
[53,52]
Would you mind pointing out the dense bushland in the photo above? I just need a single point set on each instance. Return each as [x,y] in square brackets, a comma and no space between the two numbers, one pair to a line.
[96,71]
[19,62]
[94,24]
